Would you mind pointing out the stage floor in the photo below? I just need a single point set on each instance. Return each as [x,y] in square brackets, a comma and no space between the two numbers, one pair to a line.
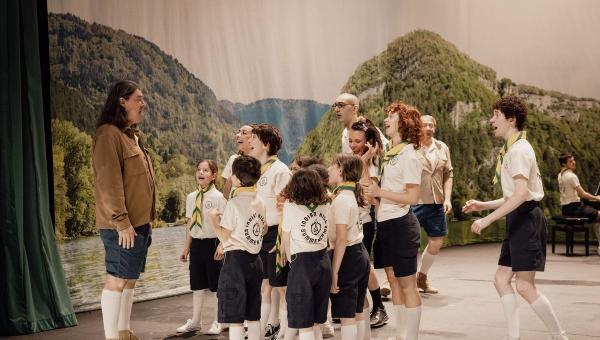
[467,306]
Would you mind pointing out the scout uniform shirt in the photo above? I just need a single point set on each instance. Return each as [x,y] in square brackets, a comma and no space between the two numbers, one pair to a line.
[211,199]
[520,160]
[244,216]
[308,227]
[270,184]
[344,210]
[568,184]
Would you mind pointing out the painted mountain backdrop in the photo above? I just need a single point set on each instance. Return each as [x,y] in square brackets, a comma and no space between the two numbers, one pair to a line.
[424,70]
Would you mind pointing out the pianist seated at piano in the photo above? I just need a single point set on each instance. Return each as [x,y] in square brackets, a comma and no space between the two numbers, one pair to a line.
[572,194]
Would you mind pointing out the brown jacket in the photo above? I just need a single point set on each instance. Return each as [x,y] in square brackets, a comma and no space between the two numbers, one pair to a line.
[123,178]
[435,175]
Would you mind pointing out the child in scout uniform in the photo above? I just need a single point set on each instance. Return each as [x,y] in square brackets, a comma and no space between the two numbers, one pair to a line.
[350,265]
[201,244]
[240,229]
[523,250]
[305,228]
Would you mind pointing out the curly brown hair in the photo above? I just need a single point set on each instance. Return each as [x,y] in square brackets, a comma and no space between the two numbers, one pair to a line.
[352,167]
[512,107]
[268,135]
[409,123]
[305,188]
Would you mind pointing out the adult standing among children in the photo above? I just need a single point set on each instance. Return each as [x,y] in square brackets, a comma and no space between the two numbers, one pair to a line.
[124,192]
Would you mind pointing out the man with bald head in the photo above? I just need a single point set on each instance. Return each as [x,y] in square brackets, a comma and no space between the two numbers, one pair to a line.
[346,109]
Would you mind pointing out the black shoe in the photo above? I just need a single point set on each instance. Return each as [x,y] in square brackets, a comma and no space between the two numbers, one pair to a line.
[335,320]
[378,317]
[271,331]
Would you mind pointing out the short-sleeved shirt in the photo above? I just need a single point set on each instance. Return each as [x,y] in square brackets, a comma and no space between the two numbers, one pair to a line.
[270,184]
[344,210]
[244,216]
[212,199]
[405,168]
[308,228]
[346,141]
[520,160]
[365,212]
[568,183]
[227,171]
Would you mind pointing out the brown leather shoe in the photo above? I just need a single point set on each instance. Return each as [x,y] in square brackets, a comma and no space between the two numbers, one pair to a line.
[127,335]
[423,284]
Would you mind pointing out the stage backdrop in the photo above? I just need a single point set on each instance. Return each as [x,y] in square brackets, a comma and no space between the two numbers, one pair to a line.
[207,67]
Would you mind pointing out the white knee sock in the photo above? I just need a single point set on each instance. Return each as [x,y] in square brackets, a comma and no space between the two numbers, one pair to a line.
[307,336]
[125,310]
[290,334]
[318,333]
[265,310]
[367,323]
[360,329]
[283,322]
[413,320]
[511,313]
[349,332]
[197,302]
[254,331]
[111,306]
[275,302]
[236,332]
[400,311]
[214,294]
[427,260]
[542,307]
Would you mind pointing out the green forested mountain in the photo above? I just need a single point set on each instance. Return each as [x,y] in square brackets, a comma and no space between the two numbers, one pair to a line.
[424,70]
[183,115]
[293,117]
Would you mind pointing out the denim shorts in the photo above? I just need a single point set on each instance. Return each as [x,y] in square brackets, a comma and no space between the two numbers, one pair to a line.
[432,218]
[126,263]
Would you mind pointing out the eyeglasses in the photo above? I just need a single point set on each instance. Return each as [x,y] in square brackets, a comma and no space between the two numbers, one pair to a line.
[339,105]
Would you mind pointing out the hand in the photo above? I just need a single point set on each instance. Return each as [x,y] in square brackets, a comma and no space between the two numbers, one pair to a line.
[282,257]
[219,254]
[472,205]
[280,200]
[334,284]
[127,237]
[478,226]
[184,254]
[372,191]
[447,207]
[370,153]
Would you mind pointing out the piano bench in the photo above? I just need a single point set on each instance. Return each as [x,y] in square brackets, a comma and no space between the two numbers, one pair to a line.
[570,225]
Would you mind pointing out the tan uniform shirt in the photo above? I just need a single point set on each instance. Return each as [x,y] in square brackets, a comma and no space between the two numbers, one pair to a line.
[436,171]
[124,179]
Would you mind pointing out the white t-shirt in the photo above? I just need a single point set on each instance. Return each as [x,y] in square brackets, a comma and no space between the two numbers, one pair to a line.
[344,210]
[212,199]
[365,212]
[308,229]
[568,184]
[227,172]
[269,186]
[346,141]
[244,216]
[520,160]
[404,168]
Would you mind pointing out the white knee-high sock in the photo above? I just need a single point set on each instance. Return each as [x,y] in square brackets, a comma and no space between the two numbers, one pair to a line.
[290,334]
[254,331]
[349,332]
[197,302]
[367,323]
[307,336]
[283,322]
[427,260]
[318,332]
[111,306]
[360,329]
[542,307]
[125,310]
[214,294]
[400,311]
[413,320]
[275,303]
[511,313]
[236,332]
[265,310]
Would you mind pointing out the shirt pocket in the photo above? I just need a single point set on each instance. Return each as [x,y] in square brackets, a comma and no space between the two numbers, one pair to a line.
[133,162]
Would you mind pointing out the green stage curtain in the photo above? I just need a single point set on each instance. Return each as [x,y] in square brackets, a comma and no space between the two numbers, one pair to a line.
[33,293]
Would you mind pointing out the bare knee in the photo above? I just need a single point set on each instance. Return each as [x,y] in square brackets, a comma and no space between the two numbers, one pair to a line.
[502,279]
[116,284]
[434,244]
[526,289]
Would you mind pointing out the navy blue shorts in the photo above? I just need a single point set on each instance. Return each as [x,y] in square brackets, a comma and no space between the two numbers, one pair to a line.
[204,269]
[432,218]
[126,263]
[238,296]
[397,244]
[353,279]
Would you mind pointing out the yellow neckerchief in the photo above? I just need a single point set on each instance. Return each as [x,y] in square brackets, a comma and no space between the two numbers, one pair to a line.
[389,154]
[512,140]
[237,190]
[197,213]
[344,186]
[267,165]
